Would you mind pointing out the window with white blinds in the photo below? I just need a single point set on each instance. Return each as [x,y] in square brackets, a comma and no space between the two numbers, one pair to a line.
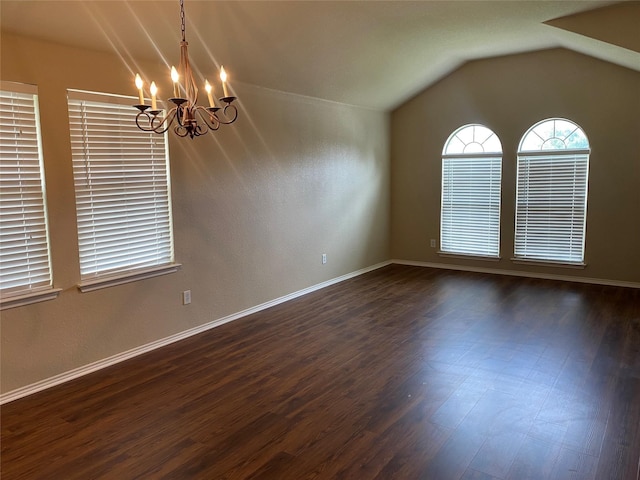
[25,268]
[122,188]
[470,203]
[551,194]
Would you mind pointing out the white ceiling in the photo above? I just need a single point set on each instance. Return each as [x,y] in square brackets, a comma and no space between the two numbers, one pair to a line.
[376,54]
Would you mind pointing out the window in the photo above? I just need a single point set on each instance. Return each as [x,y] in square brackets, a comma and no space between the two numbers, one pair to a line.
[25,269]
[470,204]
[121,177]
[551,194]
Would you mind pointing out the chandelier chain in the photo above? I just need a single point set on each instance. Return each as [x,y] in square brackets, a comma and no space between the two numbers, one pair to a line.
[182,20]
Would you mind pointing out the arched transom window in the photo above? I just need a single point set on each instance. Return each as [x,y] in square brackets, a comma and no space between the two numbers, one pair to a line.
[470,202]
[551,193]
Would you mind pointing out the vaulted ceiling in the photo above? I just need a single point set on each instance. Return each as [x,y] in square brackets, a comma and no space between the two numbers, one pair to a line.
[376,54]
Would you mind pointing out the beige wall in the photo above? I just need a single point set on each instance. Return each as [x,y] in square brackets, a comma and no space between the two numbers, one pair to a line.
[510,94]
[255,205]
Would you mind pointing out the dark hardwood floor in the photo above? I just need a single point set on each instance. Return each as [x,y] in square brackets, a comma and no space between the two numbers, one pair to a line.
[404,372]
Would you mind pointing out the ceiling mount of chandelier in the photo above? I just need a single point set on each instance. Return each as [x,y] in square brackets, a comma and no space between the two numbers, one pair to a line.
[190,119]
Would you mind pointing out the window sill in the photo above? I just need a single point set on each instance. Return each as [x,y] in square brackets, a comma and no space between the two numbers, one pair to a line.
[469,256]
[549,263]
[29,298]
[127,277]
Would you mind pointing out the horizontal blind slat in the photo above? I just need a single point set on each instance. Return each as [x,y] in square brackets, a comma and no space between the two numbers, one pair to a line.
[470,205]
[122,188]
[24,245]
[551,206]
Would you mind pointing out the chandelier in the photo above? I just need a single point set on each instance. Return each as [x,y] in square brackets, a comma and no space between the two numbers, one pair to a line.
[191,119]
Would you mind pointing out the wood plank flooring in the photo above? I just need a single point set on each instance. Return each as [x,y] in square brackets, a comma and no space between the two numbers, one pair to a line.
[401,373]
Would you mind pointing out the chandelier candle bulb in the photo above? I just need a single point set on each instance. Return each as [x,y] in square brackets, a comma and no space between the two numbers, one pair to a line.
[209,89]
[154,91]
[176,86]
[223,77]
[139,85]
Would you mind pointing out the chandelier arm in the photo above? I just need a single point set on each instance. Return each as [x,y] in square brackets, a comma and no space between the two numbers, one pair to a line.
[182,131]
[180,115]
[154,123]
[191,131]
[229,119]
[209,117]
[200,129]
[161,126]
[147,117]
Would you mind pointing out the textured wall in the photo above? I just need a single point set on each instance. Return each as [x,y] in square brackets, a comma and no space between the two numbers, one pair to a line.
[510,94]
[254,207]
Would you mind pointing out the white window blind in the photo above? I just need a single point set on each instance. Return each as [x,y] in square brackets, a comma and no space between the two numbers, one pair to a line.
[24,244]
[551,195]
[122,188]
[470,203]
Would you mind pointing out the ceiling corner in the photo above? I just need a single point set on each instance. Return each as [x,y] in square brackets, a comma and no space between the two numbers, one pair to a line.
[615,24]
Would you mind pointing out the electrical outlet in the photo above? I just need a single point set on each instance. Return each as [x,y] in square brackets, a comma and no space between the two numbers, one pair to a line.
[433,243]
[186,297]
[324,258]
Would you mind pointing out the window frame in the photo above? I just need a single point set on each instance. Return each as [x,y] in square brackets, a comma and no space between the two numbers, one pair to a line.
[98,276]
[453,163]
[579,158]
[29,200]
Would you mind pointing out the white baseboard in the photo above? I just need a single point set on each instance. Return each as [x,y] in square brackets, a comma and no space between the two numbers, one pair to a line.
[516,273]
[134,352]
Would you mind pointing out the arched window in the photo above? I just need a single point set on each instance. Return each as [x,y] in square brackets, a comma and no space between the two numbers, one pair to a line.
[551,194]
[470,203]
